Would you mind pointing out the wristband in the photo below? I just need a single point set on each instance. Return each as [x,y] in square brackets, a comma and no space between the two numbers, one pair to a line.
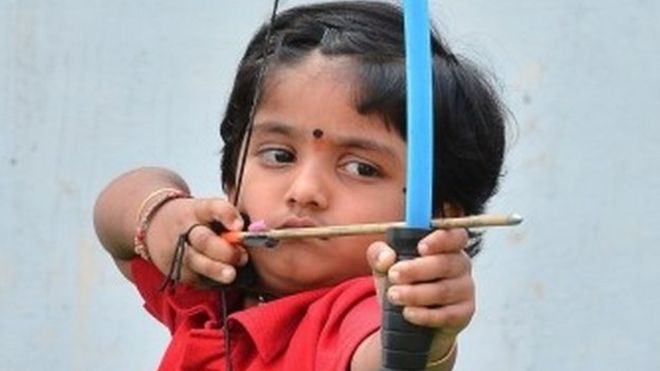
[444,359]
[166,195]
[150,198]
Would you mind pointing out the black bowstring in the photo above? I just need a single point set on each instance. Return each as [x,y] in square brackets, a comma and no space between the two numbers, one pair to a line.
[174,275]
[241,167]
[255,102]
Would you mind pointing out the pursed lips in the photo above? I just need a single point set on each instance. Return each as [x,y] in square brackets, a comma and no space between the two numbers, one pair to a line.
[297,222]
[301,222]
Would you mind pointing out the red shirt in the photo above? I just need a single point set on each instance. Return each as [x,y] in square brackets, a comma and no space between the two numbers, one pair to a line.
[313,330]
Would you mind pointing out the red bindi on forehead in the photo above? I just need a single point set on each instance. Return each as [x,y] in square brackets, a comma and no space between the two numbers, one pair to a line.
[318,141]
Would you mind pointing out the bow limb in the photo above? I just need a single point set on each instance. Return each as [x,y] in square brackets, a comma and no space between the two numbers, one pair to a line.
[405,345]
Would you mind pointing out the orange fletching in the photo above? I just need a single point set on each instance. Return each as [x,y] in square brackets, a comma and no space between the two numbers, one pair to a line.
[232,237]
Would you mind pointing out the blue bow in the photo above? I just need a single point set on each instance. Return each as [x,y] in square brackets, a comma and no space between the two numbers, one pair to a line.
[406,346]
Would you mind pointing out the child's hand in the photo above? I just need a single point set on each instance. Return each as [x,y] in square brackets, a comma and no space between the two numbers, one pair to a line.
[207,254]
[436,289]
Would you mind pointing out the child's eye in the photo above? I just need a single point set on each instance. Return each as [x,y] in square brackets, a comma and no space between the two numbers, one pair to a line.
[362,169]
[277,155]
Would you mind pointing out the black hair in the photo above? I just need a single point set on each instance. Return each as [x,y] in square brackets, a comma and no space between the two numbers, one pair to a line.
[469,118]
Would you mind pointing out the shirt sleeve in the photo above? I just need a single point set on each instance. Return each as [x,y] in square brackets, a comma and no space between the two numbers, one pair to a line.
[353,314]
[174,305]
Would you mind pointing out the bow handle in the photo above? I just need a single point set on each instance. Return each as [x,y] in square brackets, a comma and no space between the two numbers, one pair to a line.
[405,345]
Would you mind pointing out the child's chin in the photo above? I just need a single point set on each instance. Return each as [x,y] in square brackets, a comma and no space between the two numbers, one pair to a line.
[287,286]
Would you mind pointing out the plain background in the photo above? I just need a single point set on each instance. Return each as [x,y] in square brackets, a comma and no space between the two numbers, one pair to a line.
[91,88]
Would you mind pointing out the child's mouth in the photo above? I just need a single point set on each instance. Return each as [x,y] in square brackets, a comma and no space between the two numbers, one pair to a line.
[298,222]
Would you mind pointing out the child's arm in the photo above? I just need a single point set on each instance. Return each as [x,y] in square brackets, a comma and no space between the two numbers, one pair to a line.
[436,290]
[115,220]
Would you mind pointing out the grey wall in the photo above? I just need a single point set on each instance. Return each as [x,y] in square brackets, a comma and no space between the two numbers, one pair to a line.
[90,88]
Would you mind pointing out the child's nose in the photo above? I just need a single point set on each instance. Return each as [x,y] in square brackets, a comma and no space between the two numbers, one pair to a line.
[309,188]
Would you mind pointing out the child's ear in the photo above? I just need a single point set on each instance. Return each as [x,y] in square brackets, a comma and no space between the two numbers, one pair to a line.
[452,210]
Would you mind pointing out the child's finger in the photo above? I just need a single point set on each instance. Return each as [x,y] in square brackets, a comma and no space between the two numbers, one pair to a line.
[429,268]
[213,269]
[204,241]
[450,317]
[216,209]
[437,293]
[443,240]
[380,258]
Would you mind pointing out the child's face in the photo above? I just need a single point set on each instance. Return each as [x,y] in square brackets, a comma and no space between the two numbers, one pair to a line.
[313,161]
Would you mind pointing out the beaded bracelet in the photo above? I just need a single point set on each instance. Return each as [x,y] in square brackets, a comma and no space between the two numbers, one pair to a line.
[444,359]
[150,198]
[166,195]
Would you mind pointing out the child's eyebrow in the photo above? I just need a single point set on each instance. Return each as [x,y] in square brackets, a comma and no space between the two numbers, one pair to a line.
[275,127]
[365,144]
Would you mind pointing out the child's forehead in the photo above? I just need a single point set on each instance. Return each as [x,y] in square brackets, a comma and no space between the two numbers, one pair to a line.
[316,97]
[366,127]
[339,83]
[310,71]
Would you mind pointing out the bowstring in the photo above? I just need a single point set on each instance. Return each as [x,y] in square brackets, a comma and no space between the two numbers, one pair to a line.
[241,167]
[255,101]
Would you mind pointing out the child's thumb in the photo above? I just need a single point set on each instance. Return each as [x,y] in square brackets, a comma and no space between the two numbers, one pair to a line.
[380,257]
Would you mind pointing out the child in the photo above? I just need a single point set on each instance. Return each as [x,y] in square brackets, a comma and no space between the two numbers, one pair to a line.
[327,147]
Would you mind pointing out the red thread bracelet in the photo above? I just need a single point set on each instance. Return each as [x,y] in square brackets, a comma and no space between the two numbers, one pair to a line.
[139,240]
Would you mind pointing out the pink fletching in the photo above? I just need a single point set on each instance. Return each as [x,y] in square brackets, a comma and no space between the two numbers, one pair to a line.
[257,226]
